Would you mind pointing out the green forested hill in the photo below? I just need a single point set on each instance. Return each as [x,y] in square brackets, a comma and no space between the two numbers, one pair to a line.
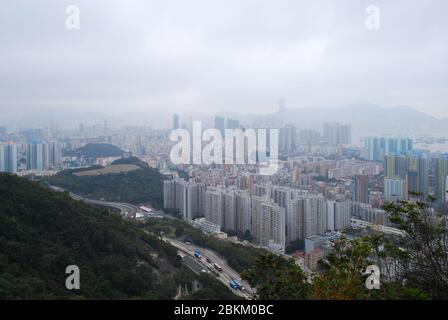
[138,186]
[42,232]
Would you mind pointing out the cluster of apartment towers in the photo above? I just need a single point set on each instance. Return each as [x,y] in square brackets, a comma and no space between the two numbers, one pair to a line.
[274,215]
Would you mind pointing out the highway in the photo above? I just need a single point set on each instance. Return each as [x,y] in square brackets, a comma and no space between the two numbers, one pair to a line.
[225,276]
[196,265]
[126,209]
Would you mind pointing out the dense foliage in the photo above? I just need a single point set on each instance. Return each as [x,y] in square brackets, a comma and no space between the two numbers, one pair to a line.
[42,232]
[413,266]
[275,277]
[422,260]
[144,185]
[95,150]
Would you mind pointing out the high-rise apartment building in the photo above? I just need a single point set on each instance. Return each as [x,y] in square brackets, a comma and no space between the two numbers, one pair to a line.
[220,125]
[337,133]
[361,188]
[395,189]
[268,220]
[441,178]
[8,158]
[214,205]
[43,156]
[378,147]
[186,197]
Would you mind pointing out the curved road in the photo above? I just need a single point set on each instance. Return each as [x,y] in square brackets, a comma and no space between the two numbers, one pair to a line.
[126,209]
[227,273]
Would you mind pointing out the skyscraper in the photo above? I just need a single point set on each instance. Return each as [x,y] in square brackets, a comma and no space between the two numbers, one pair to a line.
[214,205]
[361,188]
[176,122]
[336,133]
[287,139]
[441,178]
[378,147]
[233,124]
[220,124]
[268,222]
[395,189]
[8,158]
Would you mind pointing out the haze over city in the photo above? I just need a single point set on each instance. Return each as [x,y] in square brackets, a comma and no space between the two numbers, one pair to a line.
[226,151]
[238,56]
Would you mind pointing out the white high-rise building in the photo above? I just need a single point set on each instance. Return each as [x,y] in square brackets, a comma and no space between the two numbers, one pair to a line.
[229,201]
[268,220]
[339,213]
[314,215]
[214,205]
[243,211]
[8,158]
[184,196]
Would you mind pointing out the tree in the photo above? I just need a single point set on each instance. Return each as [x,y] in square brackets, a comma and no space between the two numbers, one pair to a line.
[423,255]
[344,278]
[276,278]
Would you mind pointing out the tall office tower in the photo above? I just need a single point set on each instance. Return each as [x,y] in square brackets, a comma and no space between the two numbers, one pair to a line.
[233,124]
[412,177]
[342,214]
[361,188]
[336,133]
[2,130]
[220,124]
[395,189]
[268,220]
[287,137]
[441,178]
[229,201]
[176,122]
[243,211]
[214,205]
[8,158]
[378,147]
[308,136]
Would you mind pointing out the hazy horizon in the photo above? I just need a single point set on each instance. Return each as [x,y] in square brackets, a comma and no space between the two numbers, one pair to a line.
[134,56]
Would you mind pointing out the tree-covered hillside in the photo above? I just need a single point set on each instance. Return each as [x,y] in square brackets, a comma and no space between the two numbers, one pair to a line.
[42,232]
[138,186]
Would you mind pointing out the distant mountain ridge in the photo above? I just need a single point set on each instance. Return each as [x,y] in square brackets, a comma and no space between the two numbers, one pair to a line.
[365,119]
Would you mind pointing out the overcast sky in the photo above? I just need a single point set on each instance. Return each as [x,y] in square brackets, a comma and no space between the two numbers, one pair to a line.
[213,55]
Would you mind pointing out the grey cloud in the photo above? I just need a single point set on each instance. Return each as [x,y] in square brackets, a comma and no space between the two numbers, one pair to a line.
[214,55]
